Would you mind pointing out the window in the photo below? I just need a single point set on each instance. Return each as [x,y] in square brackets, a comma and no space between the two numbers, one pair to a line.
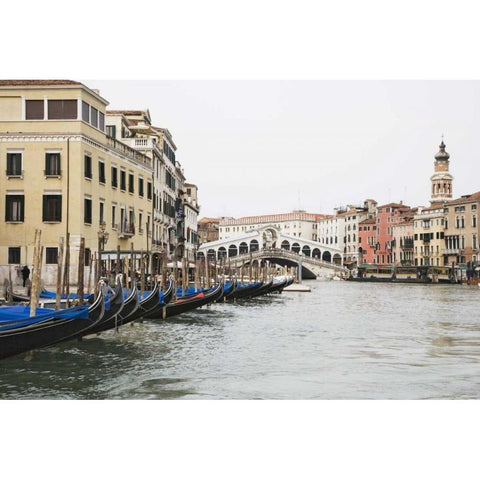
[101,121]
[474,221]
[14,255]
[88,255]
[85,112]
[114,216]
[93,117]
[130,183]
[114,177]
[62,109]
[14,164]
[88,166]
[101,172]
[52,164]
[140,186]
[34,109]
[52,208]
[112,131]
[87,210]
[123,180]
[101,212]
[14,208]
[51,255]
[140,225]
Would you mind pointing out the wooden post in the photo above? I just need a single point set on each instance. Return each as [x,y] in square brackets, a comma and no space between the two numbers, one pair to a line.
[250,268]
[81,271]
[118,268]
[142,274]
[36,275]
[90,264]
[207,273]
[132,266]
[95,260]
[59,274]
[10,295]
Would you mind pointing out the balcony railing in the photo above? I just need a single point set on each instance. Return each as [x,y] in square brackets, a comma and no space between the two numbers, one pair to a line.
[451,251]
[127,231]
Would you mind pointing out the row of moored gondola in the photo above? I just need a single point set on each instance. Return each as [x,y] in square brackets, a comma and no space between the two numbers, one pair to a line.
[21,333]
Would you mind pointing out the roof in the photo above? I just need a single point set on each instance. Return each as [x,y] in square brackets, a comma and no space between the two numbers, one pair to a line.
[367,221]
[395,205]
[26,83]
[276,217]
[472,197]
[209,220]
[125,112]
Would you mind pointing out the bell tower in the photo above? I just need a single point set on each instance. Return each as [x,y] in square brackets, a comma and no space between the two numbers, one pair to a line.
[441,179]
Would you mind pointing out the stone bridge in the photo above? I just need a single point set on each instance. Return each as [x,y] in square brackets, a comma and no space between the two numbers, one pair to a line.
[311,267]
[271,244]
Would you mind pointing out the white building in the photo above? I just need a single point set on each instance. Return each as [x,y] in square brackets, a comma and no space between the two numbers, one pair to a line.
[295,224]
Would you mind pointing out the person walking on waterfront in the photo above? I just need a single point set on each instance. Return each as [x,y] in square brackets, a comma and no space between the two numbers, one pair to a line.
[25,274]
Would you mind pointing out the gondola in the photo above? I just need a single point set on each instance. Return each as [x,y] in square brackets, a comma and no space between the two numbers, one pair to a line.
[245,291]
[154,303]
[183,305]
[264,289]
[278,285]
[49,328]
[129,307]
[115,303]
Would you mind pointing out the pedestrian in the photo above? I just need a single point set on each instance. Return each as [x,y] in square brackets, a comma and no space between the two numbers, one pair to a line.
[25,274]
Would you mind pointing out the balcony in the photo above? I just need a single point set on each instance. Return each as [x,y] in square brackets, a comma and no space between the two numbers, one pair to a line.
[451,251]
[127,231]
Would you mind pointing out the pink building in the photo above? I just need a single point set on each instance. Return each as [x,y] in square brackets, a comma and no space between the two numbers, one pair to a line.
[367,240]
[388,216]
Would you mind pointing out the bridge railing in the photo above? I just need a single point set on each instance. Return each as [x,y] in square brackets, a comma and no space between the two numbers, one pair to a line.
[280,252]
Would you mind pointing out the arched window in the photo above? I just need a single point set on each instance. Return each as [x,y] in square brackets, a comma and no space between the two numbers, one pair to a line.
[232,251]
[306,250]
[286,245]
[296,247]
[316,253]
[254,245]
[243,248]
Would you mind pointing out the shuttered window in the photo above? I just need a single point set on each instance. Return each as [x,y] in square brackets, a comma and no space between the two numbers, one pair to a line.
[114,177]
[52,208]
[14,208]
[51,255]
[62,109]
[87,210]
[131,182]
[85,112]
[52,164]
[101,172]
[94,116]
[101,121]
[14,255]
[14,164]
[34,109]
[140,187]
[88,166]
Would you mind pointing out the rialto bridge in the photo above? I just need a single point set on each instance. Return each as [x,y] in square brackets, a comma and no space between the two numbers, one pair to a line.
[269,243]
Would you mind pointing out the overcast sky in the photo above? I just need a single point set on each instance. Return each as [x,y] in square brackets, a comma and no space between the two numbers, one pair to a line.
[261,147]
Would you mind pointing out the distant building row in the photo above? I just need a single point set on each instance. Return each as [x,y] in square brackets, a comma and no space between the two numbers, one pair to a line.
[445,232]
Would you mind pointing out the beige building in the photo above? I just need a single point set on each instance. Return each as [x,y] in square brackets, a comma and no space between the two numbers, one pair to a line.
[403,243]
[428,228]
[462,229]
[66,172]
[208,229]
[191,211]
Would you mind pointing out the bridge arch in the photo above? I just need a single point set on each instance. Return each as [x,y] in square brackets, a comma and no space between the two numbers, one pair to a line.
[222,253]
[211,255]
[337,259]
[306,250]
[254,245]
[327,256]
[296,247]
[243,248]
[316,253]
[232,251]
[286,245]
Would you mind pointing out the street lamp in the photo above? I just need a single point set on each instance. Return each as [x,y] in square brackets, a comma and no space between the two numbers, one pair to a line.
[102,240]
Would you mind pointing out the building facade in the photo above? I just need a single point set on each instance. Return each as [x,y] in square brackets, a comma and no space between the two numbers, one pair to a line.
[72,168]
[462,230]
[367,241]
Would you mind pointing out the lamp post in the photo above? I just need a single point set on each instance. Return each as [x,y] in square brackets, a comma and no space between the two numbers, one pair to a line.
[102,240]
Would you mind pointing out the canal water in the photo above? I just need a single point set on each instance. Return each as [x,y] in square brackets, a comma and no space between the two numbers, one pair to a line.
[340,341]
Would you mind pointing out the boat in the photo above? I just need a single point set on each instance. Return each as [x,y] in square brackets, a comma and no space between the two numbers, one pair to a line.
[392,274]
[19,335]
[183,305]
[154,303]
[245,290]
[278,284]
